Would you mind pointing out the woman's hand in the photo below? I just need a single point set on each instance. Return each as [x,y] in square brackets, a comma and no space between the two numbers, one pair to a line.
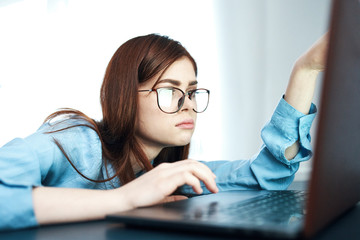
[315,58]
[157,185]
[300,90]
[74,204]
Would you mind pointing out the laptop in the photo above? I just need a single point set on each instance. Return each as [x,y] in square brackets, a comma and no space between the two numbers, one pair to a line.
[334,185]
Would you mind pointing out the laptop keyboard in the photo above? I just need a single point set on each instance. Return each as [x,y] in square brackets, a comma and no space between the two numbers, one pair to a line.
[276,207]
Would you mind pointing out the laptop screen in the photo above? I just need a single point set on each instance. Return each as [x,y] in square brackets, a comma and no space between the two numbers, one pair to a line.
[335,182]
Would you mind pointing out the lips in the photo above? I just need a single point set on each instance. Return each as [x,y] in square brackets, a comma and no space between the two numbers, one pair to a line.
[187,124]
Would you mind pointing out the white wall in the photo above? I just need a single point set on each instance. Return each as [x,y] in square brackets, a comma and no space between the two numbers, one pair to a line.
[54,53]
[258,43]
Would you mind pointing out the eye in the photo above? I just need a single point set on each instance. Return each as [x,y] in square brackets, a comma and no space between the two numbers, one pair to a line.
[191,93]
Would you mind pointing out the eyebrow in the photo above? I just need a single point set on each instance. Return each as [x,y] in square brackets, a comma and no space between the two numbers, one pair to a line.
[177,82]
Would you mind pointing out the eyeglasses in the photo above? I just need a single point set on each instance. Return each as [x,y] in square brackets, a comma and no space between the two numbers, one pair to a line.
[171,99]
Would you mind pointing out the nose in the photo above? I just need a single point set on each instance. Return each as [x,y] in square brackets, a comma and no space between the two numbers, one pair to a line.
[188,104]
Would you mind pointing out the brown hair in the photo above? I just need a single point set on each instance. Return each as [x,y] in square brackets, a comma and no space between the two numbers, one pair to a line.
[136,61]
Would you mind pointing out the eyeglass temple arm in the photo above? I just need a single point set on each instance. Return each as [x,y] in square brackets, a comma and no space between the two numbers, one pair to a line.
[147,90]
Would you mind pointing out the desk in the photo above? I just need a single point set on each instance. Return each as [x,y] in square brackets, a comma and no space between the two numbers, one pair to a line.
[347,227]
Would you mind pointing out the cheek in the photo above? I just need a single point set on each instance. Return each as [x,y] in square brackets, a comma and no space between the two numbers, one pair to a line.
[147,105]
[151,121]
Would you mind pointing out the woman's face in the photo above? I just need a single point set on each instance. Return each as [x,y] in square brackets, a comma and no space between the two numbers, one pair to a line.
[156,129]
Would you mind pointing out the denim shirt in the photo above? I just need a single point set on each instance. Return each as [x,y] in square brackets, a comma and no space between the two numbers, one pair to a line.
[37,161]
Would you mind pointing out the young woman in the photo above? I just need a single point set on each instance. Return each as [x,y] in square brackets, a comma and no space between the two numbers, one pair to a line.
[74,168]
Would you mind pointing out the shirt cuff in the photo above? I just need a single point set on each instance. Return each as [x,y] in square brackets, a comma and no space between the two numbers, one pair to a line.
[287,126]
[16,207]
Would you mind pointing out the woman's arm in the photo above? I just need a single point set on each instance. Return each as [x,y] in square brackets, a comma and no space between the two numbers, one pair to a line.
[300,90]
[57,205]
[271,168]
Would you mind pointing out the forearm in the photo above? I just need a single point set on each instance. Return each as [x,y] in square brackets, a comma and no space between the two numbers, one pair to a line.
[300,90]
[58,205]
[299,94]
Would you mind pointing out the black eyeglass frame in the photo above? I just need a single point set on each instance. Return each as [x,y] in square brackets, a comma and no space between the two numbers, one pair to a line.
[189,94]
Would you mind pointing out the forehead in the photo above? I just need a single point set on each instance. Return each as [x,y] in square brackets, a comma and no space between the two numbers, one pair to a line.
[181,71]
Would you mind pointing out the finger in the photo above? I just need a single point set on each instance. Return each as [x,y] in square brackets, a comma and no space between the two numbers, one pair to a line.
[193,181]
[174,198]
[192,164]
[176,177]
[202,165]
[191,172]
[203,172]
[209,182]
[187,163]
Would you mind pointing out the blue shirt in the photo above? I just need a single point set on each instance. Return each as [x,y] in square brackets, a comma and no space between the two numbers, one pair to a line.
[37,161]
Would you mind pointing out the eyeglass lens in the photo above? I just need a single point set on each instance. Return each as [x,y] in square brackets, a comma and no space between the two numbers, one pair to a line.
[170,100]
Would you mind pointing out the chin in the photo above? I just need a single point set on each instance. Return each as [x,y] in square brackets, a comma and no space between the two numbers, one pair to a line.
[180,142]
[181,139]
[183,142]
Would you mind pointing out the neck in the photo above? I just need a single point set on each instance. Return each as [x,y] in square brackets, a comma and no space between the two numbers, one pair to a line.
[151,151]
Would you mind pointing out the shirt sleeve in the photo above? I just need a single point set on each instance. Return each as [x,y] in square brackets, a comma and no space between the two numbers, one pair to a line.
[37,161]
[268,169]
[19,172]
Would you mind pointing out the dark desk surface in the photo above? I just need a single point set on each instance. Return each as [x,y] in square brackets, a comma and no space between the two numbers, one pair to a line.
[347,227]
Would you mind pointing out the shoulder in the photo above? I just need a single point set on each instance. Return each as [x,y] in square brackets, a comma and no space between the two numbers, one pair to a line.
[75,135]
[37,160]
[72,133]
[77,139]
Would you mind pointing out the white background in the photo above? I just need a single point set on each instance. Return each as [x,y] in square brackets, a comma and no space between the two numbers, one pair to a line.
[53,54]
